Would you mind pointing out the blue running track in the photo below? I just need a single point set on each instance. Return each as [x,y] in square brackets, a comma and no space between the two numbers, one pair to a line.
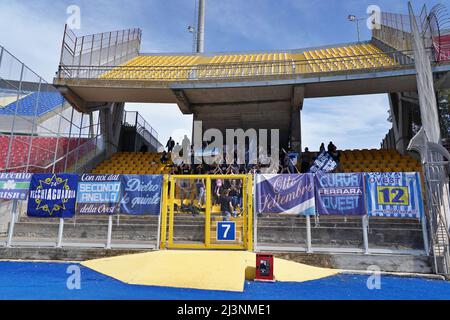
[47,281]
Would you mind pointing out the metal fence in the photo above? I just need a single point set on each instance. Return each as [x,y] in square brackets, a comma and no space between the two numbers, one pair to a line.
[81,231]
[109,48]
[134,119]
[335,234]
[39,129]
[368,62]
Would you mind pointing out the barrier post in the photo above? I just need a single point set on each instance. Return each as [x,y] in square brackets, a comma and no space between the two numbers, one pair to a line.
[426,245]
[250,211]
[171,214]
[208,213]
[60,233]
[163,216]
[11,224]
[110,223]
[365,226]
[255,217]
[308,235]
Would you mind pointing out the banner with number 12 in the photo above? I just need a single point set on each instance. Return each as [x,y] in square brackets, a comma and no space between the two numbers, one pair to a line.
[394,194]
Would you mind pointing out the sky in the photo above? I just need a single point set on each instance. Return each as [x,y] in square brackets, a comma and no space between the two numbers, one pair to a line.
[32,30]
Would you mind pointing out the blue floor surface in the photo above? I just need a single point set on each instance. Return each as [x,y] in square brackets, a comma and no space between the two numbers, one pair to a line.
[48,281]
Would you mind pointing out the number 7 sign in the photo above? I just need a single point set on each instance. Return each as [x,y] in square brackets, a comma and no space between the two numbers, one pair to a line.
[226,231]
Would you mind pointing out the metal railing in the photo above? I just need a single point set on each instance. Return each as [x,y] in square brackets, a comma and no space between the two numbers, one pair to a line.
[109,48]
[27,120]
[357,63]
[134,119]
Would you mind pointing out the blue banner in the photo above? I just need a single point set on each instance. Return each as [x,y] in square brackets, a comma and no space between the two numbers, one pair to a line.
[141,194]
[98,194]
[323,163]
[52,195]
[14,186]
[394,194]
[285,194]
[340,194]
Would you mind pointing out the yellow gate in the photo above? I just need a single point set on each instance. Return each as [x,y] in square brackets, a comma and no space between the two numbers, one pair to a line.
[207,212]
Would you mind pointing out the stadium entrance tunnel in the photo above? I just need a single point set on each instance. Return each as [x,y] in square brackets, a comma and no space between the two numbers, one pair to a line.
[198,216]
[206,270]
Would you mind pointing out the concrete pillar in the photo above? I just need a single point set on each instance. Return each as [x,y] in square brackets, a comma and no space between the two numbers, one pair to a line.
[401,121]
[295,134]
[110,125]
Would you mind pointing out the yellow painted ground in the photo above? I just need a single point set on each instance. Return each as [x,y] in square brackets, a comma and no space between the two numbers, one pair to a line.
[207,270]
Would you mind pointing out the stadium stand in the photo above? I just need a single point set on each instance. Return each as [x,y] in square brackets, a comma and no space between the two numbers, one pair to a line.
[133,163]
[363,56]
[352,57]
[46,102]
[42,151]
[384,160]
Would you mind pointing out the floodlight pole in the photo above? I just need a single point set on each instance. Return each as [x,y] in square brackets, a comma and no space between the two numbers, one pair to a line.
[201,27]
[353,18]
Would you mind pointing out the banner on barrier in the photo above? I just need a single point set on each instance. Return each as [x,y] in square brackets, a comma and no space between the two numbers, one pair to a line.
[285,194]
[340,194]
[52,195]
[14,186]
[98,194]
[323,163]
[394,194]
[141,194]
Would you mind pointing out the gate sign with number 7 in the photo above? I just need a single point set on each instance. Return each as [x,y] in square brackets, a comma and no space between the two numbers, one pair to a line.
[226,231]
[394,194]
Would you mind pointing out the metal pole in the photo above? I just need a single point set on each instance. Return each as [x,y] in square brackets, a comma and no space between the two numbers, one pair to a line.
[365,234]
[158,233]
[69,141]
[60,233]
[201,27]
[11,224]
[308,235]
[357,27]
[11,139]
[255,217]
[426,245]
[32,126]
[58,136]
[110,224]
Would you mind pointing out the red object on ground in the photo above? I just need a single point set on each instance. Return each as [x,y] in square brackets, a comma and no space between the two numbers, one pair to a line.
[264,267]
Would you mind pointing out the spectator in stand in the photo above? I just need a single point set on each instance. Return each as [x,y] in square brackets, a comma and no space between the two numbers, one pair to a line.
[236,198]
[305,161]
[226,206]
[170,144]
[164,157]
[332,150]
[185,169]
[185,190]
[200,185]
[322,148]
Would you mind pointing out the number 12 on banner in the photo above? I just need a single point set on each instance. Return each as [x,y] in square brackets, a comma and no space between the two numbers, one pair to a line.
[393,196]
[226,231]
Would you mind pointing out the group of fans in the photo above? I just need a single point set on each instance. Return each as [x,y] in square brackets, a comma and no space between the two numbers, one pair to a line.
[228,192]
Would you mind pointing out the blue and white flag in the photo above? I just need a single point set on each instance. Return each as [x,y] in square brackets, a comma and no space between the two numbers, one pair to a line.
[323,163]
[52,195]
[98,194]
[14,186]
[141,194]
[285,194]
[394,194]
